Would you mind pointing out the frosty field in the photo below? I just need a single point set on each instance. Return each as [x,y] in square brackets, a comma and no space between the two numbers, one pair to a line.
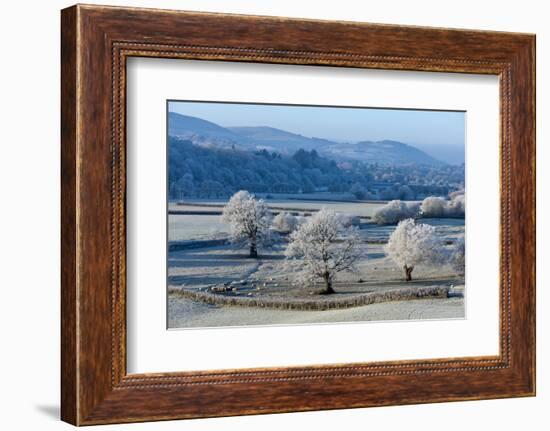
[197,266]
[183,227]
[365,209]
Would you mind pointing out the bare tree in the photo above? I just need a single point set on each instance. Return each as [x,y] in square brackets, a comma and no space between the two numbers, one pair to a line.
[249,219]
[412,244]
[322,247]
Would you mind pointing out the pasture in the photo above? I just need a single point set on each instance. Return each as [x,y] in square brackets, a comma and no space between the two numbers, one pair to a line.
[201,268]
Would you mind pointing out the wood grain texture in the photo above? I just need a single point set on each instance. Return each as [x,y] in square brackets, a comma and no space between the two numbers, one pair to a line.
[96,41]
[69,397]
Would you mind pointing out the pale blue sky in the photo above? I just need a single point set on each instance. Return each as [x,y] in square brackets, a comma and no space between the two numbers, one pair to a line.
[425,129]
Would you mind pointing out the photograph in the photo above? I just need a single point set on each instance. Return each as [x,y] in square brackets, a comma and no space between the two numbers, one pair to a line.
[299,214]
[275,215]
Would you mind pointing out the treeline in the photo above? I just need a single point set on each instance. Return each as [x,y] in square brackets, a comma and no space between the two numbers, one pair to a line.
[196,171]
[212,172]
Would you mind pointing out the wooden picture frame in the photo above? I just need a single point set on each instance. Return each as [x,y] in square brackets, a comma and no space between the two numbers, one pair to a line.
[95,43]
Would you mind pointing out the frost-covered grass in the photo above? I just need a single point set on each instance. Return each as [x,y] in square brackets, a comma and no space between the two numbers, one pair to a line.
[202,268]
[365,209]
[183,227]
[185,313]
[205,227]
[332,249]
[195,227]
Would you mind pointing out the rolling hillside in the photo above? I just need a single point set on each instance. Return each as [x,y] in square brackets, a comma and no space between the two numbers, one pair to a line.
[208,134]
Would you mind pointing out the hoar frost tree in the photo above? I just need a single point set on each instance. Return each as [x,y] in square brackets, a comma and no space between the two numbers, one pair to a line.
[457,257]
[285,222]
[413,244]
[348,220]
[434,206]
[322,247]
[395,211]
[457,205]
[249,220]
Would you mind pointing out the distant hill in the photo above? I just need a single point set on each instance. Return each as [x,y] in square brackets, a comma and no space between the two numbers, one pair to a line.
[184,126]
[208,134]
[278,140]
[451,154]
[383,152]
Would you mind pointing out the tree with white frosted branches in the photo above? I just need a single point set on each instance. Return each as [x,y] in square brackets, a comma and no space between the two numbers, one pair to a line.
[249,219]
[457,205]
[457,257]
[412,244]
[434,206]
[322,247]
[285,222]
[348,220]
[456,193]
[395,211]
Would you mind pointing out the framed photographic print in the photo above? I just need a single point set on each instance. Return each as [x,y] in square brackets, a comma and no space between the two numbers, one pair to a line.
[262,217]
